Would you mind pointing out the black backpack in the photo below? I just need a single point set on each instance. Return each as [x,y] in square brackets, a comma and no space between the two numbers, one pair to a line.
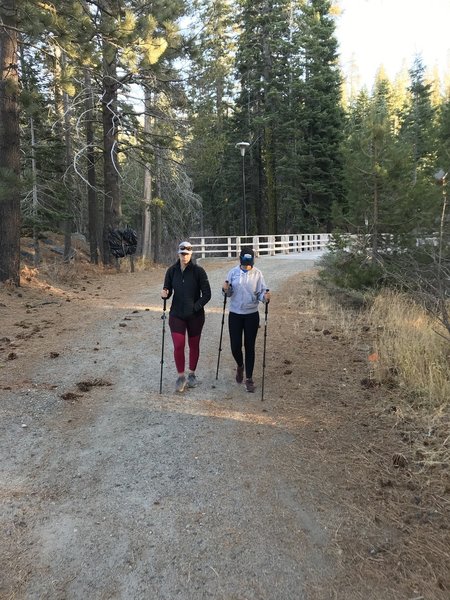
[122,242]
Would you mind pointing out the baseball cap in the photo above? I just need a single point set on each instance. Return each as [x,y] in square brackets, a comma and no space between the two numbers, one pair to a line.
[185,248]
[247,257]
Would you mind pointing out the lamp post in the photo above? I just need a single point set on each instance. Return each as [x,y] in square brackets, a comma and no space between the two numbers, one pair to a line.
[243,147]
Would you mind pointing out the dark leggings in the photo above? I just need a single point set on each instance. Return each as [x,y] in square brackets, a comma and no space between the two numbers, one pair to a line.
[247,325]
[178,328]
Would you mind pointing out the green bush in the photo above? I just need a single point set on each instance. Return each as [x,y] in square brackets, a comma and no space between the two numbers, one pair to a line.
[351,271]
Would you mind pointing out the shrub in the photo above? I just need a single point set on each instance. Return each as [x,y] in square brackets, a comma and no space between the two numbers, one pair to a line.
[351,271]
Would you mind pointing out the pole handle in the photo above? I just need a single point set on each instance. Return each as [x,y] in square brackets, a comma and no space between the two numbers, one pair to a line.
[223,291]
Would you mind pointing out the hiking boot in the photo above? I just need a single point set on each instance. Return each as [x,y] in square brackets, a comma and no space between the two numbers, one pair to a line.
[240,374]
[180,384]
[249,385]
[192,380]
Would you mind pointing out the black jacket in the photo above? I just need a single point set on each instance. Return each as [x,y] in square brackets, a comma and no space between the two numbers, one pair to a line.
[190,288]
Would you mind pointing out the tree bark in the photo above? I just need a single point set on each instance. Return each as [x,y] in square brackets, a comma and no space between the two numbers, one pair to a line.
[112,210]
[68,221]
[147,241]
[93,226]
[158,216]
[268,154]
[9,146]
[37,251]
[375,206]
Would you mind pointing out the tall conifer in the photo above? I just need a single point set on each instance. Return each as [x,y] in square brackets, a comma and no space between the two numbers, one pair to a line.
[321,114]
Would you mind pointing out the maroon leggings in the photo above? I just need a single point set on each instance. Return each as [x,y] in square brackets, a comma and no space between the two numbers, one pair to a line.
[178,328]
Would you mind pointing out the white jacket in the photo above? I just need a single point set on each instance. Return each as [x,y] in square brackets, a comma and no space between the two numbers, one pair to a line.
[247,289]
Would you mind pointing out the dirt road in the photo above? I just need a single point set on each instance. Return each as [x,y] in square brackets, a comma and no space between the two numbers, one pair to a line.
[111,490]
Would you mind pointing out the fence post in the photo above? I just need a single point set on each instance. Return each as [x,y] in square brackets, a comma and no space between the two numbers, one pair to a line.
[326,240]
[238,245]
[255,243]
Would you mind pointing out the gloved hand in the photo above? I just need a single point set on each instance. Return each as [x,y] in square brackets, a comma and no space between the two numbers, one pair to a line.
[227,288]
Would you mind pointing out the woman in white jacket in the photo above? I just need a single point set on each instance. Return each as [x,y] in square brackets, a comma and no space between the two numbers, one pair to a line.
[245,286]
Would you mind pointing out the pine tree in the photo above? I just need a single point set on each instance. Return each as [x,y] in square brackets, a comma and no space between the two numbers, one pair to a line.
[210,93]
[418,123]
[266,107]
[321,115]
[9,145]
[381,197]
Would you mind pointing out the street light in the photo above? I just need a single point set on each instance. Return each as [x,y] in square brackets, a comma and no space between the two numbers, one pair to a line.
[243,147]
[440,176]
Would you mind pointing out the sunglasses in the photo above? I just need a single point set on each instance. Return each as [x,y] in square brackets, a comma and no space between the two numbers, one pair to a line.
[186,248]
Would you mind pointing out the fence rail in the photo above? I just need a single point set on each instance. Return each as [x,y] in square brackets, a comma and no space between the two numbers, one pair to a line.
[230,246]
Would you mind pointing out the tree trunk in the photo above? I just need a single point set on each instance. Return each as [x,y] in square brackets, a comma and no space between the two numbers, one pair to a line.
[112,210]
[37,252]
[93,225]
[375,207]
[259,199]
[268,154]
[9,146]
[158,215]
[269,168]
[61,158]
[68,179]
[147,241]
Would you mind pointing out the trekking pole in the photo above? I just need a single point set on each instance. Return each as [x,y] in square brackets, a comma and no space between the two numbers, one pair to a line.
[266,311]
[163,317]
[221,332]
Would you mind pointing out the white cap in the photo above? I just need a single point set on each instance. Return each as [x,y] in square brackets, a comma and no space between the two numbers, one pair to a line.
[185,248]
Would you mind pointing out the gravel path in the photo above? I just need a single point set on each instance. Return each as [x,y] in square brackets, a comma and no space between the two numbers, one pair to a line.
[122,492]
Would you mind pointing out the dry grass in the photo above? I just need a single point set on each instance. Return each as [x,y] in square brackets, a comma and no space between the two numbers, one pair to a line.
[350,323]
[406,353]
[410,350]
[408,344]
[405,343]
[384,458]
[79,267]
[70,273]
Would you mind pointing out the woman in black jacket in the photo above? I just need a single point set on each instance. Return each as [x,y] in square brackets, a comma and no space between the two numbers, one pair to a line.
[191,291]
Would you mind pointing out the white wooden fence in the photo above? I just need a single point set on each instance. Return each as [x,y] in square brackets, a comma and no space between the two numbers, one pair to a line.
[230,246]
